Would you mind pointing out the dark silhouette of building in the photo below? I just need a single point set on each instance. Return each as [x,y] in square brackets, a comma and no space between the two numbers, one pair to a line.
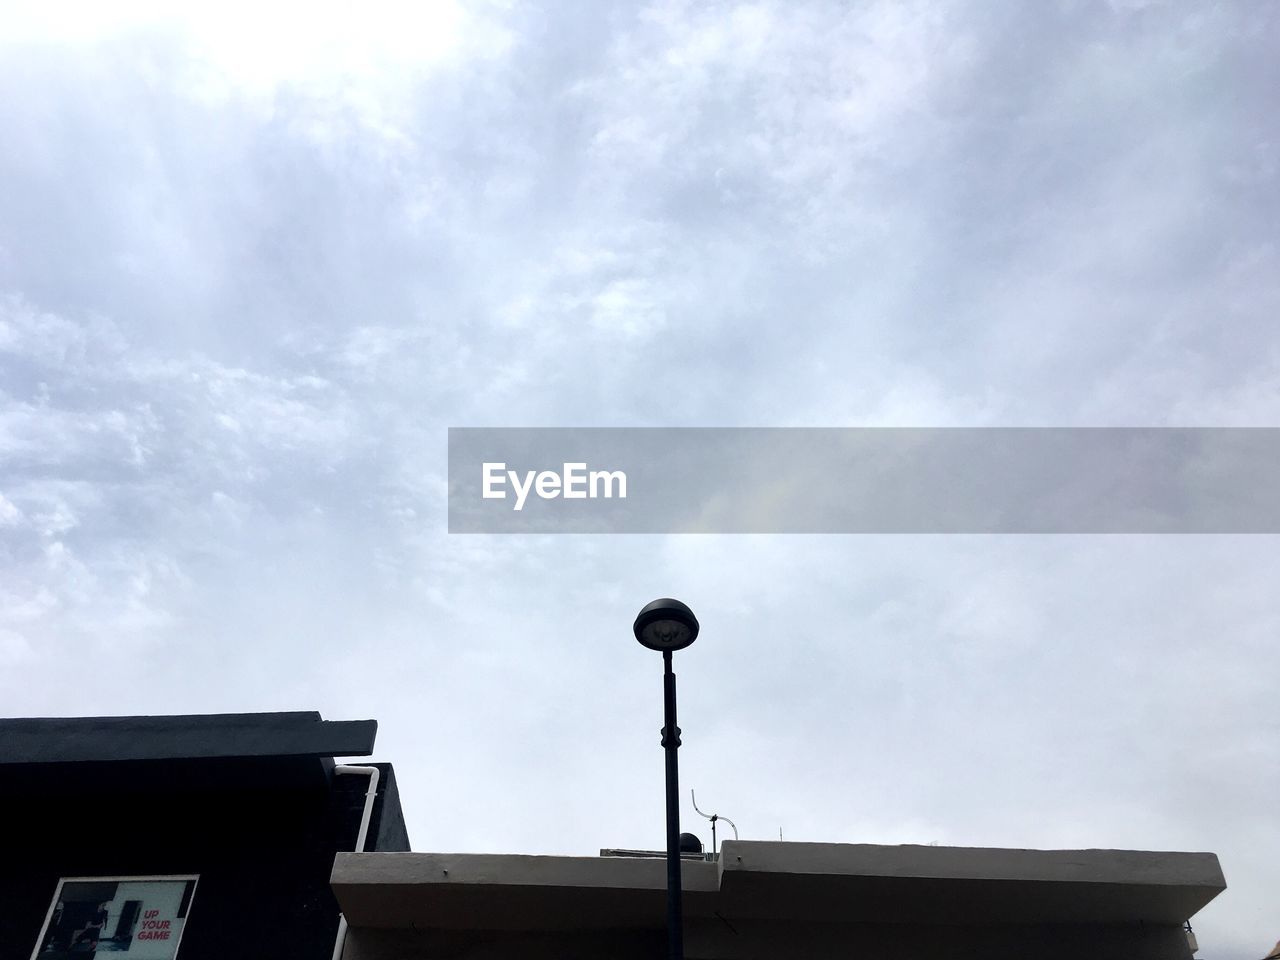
[233,836]
[214,835]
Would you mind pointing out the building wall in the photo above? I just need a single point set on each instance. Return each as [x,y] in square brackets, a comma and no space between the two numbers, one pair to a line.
[737,940]
[261,838]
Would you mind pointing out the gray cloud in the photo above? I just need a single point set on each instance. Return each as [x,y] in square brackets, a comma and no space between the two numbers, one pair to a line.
[251,275]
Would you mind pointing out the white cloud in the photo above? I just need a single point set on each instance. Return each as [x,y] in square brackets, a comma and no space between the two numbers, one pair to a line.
[258,259]
[10,515]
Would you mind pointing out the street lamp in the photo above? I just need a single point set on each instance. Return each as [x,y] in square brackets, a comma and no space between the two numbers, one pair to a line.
[668,625]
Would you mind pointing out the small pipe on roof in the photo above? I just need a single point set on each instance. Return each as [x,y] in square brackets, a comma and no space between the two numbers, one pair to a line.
[372,773]
[713,817]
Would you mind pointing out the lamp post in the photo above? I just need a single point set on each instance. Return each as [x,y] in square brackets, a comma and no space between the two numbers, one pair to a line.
[668,625]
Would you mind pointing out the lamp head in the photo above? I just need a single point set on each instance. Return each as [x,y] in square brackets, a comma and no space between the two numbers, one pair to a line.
[666,624]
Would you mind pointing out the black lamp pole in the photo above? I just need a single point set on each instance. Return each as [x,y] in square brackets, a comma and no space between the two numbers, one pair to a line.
[671,743]
[668,625]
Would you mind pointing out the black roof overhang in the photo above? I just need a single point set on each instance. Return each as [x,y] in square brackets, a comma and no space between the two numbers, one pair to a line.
[196,752]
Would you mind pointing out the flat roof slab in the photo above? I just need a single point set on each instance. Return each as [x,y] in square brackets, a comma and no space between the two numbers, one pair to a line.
[866,882]
[815,882]
[513,892]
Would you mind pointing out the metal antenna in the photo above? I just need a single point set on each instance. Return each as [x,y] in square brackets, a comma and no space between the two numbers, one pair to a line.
[713,817]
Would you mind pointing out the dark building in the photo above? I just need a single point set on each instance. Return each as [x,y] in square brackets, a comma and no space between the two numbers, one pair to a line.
[204,837]
[137,836]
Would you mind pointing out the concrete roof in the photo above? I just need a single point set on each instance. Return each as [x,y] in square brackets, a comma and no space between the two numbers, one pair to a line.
[191,737]
[781,881]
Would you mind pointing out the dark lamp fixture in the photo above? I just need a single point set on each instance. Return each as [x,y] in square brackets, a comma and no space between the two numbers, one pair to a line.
[665,625]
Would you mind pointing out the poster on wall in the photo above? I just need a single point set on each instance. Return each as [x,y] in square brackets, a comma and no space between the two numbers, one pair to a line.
[136,917]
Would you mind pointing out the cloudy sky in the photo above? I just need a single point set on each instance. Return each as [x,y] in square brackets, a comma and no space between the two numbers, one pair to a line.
[254,262]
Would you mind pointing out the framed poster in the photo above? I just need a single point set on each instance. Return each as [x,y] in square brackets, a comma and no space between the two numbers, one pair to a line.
[136,917]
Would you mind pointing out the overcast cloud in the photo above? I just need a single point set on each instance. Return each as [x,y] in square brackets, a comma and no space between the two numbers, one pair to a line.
[255,262]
